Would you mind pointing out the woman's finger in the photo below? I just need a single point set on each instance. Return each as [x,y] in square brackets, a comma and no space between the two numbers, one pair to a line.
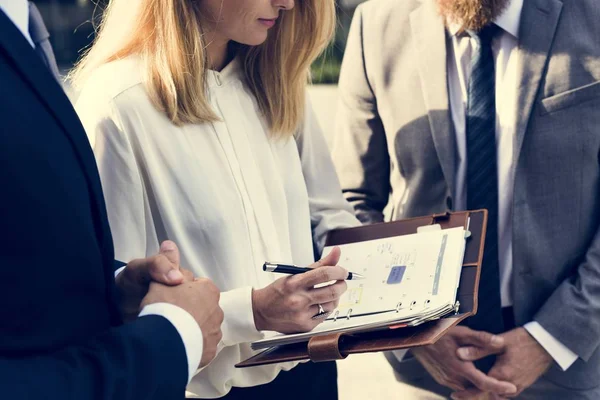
[329,293]
[310,279]
[330,259]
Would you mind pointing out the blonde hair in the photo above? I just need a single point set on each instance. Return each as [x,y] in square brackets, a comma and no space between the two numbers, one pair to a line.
[168,37]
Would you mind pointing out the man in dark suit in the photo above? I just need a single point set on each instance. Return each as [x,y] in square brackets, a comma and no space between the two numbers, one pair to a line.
[454,104]
[62,334]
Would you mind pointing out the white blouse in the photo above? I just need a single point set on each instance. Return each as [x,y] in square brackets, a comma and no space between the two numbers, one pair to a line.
[227,194]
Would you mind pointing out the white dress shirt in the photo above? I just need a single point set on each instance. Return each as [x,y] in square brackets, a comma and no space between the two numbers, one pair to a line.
[18,12]
[504,47]
[229,196]
[191,335]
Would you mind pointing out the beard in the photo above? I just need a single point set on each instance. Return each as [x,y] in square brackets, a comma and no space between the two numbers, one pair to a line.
[471,14]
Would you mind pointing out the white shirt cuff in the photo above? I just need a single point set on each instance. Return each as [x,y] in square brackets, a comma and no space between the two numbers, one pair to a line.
[186,326]
[117,272]
[558,351]
[238,326]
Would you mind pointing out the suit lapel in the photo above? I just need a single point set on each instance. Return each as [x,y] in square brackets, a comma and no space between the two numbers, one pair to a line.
[430,37]
[52,96]
[539,20]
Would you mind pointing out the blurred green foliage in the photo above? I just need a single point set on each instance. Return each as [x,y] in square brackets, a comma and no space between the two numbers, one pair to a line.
[326,69]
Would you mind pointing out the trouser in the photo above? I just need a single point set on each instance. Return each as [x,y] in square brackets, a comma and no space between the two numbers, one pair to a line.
[307,381]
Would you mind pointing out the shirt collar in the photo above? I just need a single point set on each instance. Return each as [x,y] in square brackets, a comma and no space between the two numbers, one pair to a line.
[509,20]
[18,12]
[231,72]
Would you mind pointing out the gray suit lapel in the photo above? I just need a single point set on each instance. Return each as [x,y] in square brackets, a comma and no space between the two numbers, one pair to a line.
[539,20]
[429,33]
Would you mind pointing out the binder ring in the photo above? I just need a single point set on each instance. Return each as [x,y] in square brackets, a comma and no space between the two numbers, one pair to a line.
[335,316]
[398,307]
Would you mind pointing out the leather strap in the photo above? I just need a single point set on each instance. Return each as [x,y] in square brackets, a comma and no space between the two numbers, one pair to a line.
[325,348]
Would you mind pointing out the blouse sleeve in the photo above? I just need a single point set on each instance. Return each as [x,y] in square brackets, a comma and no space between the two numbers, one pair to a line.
[128,210]
[133,230]
[328,208]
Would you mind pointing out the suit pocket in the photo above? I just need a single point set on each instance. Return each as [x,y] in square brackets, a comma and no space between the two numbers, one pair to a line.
[570,98]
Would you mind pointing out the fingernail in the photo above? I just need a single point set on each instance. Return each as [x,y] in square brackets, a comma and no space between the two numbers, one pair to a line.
[167,246]
[174,275]
[497,340]
[463,353]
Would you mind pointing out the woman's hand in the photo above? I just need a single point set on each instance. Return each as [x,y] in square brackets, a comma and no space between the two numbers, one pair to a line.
[289,304]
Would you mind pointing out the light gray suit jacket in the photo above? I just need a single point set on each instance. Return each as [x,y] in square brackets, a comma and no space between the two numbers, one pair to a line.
[394,136]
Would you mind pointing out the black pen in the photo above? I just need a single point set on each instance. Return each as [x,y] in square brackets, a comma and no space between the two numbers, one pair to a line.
[293,270]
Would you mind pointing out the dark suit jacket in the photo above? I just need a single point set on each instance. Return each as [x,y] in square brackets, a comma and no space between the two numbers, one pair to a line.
[61,335]
[395,137]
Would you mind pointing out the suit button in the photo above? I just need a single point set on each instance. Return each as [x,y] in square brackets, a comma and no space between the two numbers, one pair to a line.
[449,202]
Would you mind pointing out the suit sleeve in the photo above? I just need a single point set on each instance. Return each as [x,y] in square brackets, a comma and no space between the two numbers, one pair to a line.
[360,151]
[124,363]
[571,313]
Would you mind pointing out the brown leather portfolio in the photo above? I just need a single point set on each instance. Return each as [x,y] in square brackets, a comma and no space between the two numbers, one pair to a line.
[339,345]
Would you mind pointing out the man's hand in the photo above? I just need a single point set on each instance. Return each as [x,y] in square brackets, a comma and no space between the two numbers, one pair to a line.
[442,362]
[522,363]
[200,298]
[134,280]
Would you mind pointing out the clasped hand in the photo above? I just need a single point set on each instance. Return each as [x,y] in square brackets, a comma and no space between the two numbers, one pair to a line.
[522,361]
[160,279]
[519,363]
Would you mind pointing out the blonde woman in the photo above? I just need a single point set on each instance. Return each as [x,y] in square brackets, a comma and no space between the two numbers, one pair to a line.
[197,113]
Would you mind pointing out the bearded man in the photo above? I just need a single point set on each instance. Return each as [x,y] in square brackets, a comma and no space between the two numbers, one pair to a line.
[468,104]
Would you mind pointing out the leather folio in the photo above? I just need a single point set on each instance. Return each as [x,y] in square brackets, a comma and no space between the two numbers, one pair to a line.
[337,346]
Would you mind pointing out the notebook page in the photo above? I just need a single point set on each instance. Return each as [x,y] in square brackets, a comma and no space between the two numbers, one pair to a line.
[410,270]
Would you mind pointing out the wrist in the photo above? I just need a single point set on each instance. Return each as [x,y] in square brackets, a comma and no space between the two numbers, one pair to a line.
[545,355]
[260,322]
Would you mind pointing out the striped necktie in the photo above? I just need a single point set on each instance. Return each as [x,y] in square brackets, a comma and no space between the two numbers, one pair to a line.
[39,35]
[482,175]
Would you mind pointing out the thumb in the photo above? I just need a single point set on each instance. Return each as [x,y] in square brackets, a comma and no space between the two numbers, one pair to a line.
[482,344]
[170,250]
[170,270]
[470,337]
[330,259]
[471,353]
